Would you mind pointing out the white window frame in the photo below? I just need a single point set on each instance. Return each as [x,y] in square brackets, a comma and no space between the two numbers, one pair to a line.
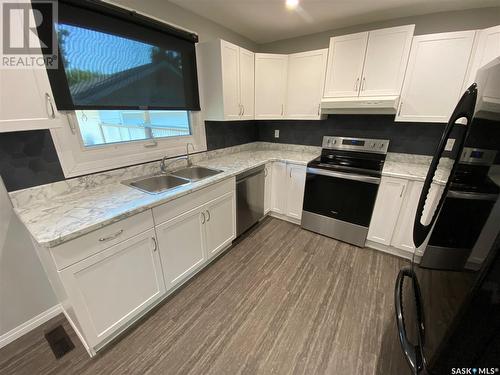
[77,160]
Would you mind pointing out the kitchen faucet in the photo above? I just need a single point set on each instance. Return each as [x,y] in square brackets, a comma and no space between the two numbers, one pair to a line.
[163,166]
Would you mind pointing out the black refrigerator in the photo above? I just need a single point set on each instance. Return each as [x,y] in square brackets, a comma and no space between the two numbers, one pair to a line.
[447,303]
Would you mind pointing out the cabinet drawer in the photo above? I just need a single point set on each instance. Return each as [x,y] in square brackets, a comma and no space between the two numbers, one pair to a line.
[82,247]
[188,202]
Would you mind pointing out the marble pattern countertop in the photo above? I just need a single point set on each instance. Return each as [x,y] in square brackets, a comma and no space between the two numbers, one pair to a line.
[59,212]
[415,167]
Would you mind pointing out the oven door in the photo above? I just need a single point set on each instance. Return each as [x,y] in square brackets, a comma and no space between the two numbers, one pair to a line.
[343,196]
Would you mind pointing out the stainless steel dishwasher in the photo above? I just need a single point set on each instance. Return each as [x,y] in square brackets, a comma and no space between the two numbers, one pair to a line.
[249,198]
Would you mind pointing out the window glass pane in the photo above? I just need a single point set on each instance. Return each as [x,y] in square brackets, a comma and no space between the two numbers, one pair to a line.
[98,127]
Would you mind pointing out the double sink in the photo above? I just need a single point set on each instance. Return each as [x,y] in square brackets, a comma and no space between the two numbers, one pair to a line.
[163,182]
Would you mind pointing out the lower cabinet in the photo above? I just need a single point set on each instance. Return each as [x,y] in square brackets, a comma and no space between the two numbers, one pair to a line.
[187,241]
[394,213]
[108,289]
[287,191]
[268,181]
[220,225]
[182,245]
[386,210]
[296,179]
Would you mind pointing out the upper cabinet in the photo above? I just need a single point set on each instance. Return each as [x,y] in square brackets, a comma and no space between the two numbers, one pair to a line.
[368,64]
[345,65]
[228,81]
[487,49]
[435,75]
[270,85]
[306,77]
[26,98]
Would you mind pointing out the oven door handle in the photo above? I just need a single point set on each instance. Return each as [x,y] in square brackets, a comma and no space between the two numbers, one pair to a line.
[411,351]
[472,195]
[347,176]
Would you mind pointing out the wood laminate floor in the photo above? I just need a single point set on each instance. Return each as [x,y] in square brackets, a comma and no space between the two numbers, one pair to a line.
[282,300]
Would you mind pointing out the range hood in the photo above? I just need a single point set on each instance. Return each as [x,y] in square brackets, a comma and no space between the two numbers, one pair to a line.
[366,105]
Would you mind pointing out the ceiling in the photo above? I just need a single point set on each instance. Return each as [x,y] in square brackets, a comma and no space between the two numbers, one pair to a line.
[265,21]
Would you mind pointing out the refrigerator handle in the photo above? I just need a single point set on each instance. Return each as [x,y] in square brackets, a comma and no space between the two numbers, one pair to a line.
[411,352]
[464,109]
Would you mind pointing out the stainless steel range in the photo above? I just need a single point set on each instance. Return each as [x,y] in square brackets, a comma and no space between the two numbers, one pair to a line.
[341,187]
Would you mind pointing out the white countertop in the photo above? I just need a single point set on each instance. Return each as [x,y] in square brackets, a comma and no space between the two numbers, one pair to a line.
[62,211]
[58,218]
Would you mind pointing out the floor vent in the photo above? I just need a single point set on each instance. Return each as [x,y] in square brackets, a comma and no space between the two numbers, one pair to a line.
[59,341]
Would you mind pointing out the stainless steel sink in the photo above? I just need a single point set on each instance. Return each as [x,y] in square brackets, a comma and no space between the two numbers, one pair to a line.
[196,173]
[157,184]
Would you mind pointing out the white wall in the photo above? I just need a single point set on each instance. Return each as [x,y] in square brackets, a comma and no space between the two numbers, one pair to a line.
[24,289]
[424,24]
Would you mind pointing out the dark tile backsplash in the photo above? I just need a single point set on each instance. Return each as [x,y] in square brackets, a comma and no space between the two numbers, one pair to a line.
[221,134]
[27,159]
[405,137]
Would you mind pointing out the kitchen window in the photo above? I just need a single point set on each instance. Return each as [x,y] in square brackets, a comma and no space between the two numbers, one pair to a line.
[101,127]
[127,85]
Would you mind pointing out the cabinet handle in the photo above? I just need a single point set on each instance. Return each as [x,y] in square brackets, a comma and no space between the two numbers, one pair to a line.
[243,106]
[208,214]
[400,106]
[265,172]
[402,191]
[282,109]
[291,172]
[356,84]
[52,110]
[155,245]
[203,218]
[111,237]
[363,82]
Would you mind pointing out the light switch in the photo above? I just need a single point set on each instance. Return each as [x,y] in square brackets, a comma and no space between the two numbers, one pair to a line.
[276,133]
[449,144]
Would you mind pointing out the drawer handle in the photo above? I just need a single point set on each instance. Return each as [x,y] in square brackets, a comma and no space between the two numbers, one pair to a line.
[208,214]
[155,245]
[111,237]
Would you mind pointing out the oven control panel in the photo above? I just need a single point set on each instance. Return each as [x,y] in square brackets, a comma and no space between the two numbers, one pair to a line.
[378,146]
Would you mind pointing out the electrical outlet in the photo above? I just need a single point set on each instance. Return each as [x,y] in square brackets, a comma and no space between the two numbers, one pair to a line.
[276,133]
[449,144]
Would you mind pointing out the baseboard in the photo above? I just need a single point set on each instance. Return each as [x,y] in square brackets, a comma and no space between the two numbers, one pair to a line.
[392,250]
[284,217]
[29,325]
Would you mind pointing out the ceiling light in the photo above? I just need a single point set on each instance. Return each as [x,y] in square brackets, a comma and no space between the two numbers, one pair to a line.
[292,4]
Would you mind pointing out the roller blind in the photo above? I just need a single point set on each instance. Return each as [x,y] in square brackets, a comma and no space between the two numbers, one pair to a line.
[110,58]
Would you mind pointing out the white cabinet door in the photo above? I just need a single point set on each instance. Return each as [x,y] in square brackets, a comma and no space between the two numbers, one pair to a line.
[270,85]
[247,84]
[296,179]
[385,62]
[220,225]
[436,72]
[181,242]
[306,80]
[346,57]
[488,48]
[280,188]
[230,55]
[403,234]
[26,100]
[386,211]
[268,184]
[108,289]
